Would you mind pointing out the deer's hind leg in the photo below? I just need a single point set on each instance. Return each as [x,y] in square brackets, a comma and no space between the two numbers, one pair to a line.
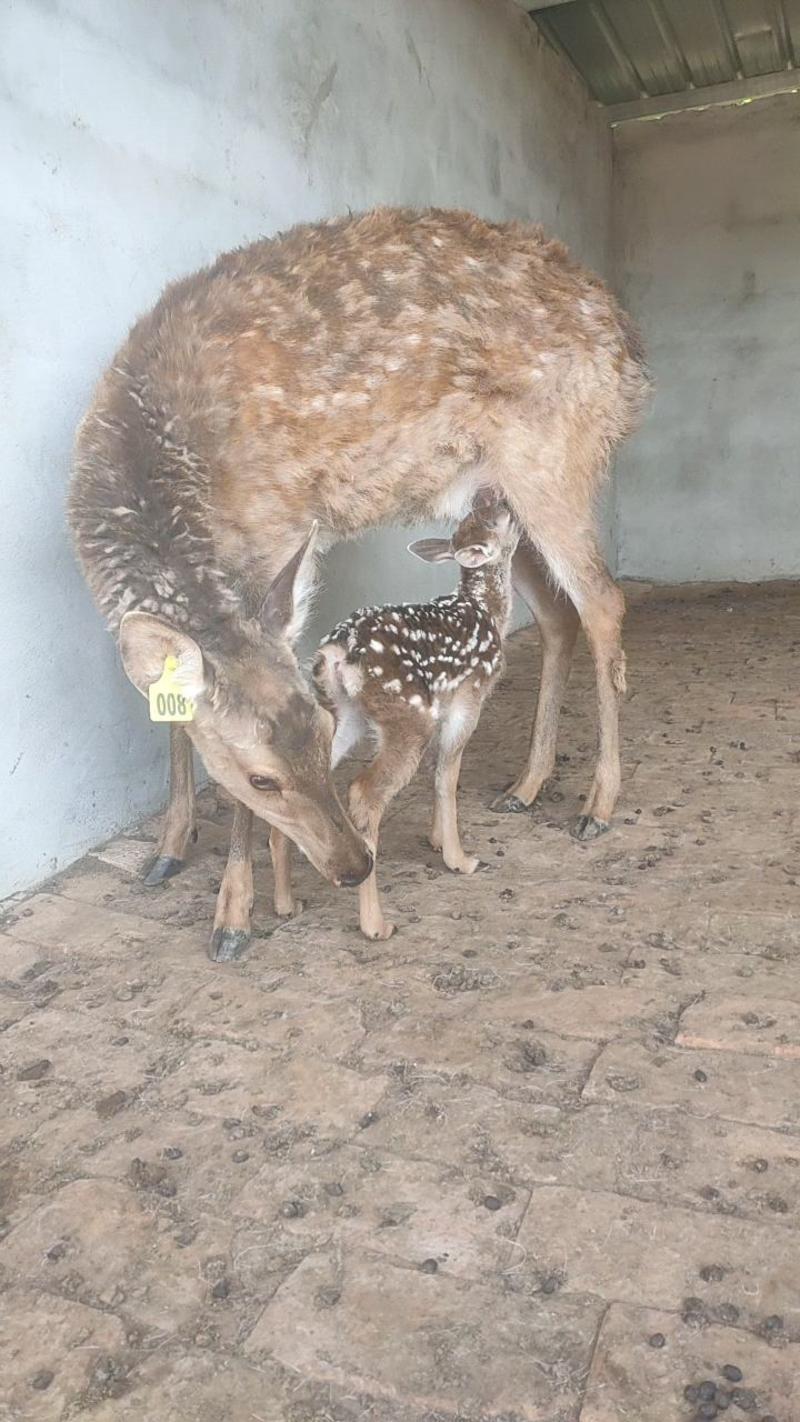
[180,820]
[557,516]
[404,732]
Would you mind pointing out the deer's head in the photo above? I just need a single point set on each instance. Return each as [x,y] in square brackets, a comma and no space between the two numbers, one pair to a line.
[259,729]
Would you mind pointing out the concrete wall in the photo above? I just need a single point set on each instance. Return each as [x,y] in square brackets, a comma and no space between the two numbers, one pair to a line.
[138,140]
[707,224]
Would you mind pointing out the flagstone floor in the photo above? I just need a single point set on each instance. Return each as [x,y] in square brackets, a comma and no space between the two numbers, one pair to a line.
[536,1157]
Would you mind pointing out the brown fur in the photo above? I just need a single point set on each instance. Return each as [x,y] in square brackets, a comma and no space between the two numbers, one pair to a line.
[369,370]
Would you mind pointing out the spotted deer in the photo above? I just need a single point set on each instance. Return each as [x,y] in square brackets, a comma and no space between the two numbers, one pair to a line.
[369,370]
[413,672]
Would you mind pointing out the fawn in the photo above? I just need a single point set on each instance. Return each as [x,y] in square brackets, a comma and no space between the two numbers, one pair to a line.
[369,370]
[418,671]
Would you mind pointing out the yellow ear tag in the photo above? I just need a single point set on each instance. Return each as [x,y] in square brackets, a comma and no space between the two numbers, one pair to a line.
[168,701]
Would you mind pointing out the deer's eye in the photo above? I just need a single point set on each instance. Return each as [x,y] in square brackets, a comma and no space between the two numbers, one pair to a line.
[265,782]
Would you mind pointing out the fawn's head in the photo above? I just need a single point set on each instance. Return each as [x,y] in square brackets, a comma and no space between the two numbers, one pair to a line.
[259,729]
[487,535]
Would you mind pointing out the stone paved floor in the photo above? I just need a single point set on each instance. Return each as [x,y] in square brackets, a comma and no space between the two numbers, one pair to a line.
[481,1170]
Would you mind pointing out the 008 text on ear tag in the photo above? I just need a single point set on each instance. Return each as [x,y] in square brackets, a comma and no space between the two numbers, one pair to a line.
[168,700]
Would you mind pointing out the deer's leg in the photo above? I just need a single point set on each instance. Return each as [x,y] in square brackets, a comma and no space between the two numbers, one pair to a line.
[435,836]
[558,623]
[280,848]
[602,616]
[231,933]
[455,734]
[567,543]
[179,821]
[372,792]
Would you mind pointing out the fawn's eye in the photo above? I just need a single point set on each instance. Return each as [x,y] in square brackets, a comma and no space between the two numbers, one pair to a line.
[265,782]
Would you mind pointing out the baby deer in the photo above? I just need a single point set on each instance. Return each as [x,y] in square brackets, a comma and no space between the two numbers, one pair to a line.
[405,673]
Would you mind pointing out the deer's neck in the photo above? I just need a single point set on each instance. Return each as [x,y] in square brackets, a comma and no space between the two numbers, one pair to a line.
[490,587]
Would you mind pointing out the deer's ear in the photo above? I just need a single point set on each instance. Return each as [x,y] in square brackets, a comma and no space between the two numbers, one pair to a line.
[146,641]
[432,550]
[285,606]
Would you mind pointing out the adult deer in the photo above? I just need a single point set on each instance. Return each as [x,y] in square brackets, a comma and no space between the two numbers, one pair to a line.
[364,371]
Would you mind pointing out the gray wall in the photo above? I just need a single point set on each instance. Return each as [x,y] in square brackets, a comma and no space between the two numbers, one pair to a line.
[138,140]
[707,241]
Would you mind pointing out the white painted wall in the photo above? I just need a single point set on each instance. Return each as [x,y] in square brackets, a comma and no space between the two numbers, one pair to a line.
[707,224]
[138,140]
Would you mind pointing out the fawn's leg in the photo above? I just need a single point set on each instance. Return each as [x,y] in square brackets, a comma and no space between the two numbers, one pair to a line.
[280,848]
[403,745]
[558,623]
[231,934]
[456,732]
[179,821]
[568,546]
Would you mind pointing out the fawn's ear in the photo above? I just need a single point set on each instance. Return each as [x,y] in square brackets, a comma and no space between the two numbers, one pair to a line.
[432,550]
[474,555]
[145,642]
[284,608]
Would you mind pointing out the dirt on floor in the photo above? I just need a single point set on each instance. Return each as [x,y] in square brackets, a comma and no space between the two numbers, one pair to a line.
[536,1157]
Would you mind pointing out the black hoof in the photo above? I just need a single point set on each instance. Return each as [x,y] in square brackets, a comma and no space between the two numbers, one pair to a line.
[589,828]
[163,867]
[510,805]
[228,944]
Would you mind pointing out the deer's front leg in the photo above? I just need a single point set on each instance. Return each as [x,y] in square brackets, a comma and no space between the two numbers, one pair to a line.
[366,812]
[406,733]
[180,822]
[280,848]
[231,934]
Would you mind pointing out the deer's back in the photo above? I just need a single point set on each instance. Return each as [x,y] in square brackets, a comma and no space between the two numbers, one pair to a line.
[346,371]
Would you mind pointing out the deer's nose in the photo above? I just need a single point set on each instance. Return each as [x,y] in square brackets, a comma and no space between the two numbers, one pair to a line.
[351,880]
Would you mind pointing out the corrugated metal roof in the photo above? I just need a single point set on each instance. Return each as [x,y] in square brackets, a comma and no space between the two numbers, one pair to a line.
[630,50]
